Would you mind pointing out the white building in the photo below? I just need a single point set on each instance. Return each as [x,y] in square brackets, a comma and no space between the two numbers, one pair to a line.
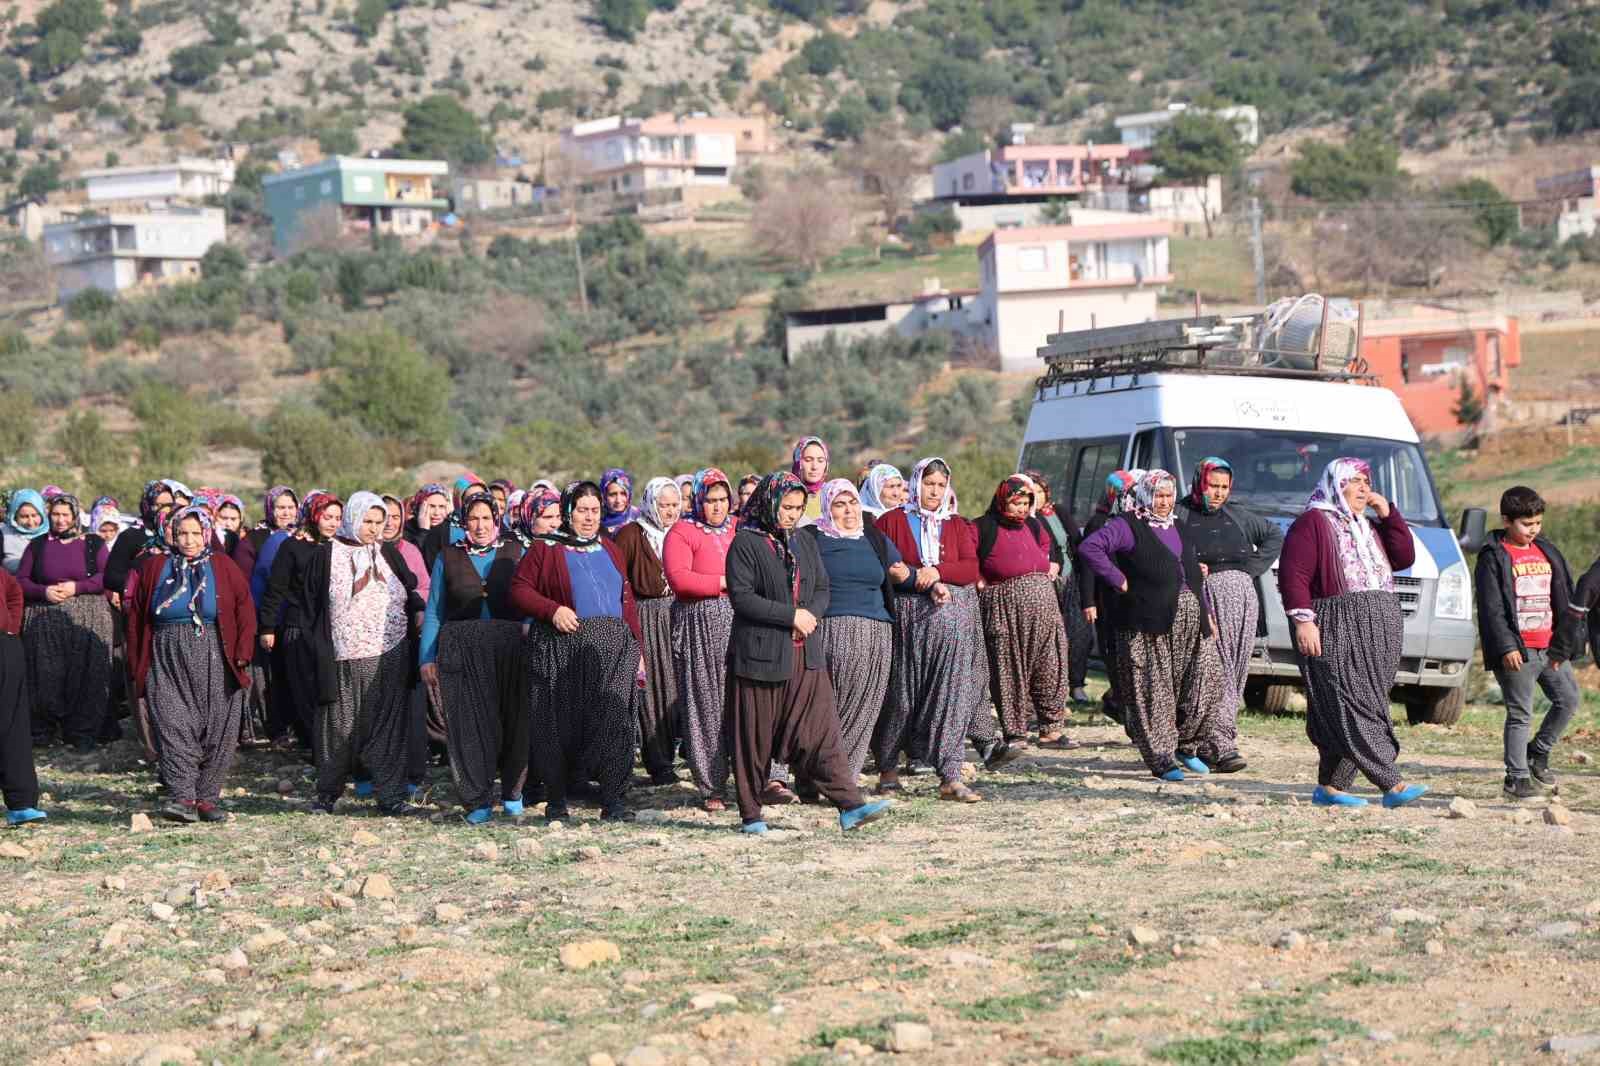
[118,251]
[635,156]
[187,179]
[1574,196]
[1139,131]
[1042,280]
[491,194]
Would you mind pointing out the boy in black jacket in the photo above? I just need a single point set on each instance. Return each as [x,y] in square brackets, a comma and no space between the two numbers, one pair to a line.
[1527,627]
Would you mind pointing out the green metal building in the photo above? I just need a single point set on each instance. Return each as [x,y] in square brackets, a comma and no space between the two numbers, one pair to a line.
[348,194]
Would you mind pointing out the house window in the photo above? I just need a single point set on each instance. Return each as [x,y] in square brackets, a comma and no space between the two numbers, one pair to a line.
[966,181]
[1033,258]
[361,183]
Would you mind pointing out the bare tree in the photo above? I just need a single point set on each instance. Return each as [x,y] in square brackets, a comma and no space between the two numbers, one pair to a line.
[990,116]
[510,328]
[320,227]
[568,171]
[803,219]
[25,273]
[888,166]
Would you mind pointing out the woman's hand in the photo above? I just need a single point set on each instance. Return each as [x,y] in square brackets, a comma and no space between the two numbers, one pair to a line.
[1055,571]
[116,600]
[565,620]
[1124,588]
[1091,615]
[1308,639]
[722,583]
[1376,501]
[58,593]
[805,623]
[927,577]
[430,673]
[941,594]
[899,572]
[1205,571]
[268,640]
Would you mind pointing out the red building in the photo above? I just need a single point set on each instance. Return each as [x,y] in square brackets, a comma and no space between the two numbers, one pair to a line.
[1424,356]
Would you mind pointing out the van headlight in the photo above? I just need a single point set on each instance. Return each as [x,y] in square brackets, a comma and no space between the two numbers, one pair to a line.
[1453,596]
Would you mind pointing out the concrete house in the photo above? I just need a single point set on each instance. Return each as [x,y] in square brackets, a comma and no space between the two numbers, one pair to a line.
[491,194]
[1140,130]
[1574,193]
[1423,353]
[632,157]
[117,251]
[934,308]
[1048,279]
[186,179]
[389,196]
[1018,184]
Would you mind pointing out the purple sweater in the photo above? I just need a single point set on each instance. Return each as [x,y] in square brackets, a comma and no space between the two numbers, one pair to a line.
[1016,552]
[63,561]
[1114,537]
[1309,568]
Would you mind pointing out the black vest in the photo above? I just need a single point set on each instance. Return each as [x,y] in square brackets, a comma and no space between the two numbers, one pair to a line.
[1151,602]
[465,591]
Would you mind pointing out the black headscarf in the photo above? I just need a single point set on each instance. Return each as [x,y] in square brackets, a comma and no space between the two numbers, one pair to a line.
[565,535]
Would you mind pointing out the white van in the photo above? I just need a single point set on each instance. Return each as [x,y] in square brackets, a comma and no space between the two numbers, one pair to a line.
[1168,394]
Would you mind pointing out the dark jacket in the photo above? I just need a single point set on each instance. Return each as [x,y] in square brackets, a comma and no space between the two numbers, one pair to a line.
[761,647]
[1584,621]
[543,583]
[236,622]
[1265,535]
[464,591]
[1309,567]
[1155,579]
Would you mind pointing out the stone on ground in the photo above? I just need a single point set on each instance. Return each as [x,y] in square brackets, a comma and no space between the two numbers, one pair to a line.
[910,1036]
[582,954]
[1461,807]
[377,886]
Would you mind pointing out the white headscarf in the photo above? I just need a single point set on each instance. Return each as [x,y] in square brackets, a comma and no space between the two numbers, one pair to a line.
[364,563]
[928,542]
[1328,497]
[832,490]
[649,520]
[872,491]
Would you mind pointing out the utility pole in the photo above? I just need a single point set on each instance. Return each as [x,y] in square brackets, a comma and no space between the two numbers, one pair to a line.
[1258,252]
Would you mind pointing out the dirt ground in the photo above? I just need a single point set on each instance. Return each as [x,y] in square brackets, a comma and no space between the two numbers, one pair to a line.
[1085,912]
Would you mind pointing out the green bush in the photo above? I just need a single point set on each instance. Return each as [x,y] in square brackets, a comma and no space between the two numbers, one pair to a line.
[19,418]
[104,334]
[305,445]
[388,386]
[194,63]
[167,437]
[223,263]
[54,53]
[84,439]
[82,17]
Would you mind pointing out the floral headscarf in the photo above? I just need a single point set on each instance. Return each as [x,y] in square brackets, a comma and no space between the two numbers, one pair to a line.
[872,489]
[1202,474]
[1008,490]
[76,528]
[928,543]
[533,505]
[799,449]
[311,510]
[1144,497]
[458,491]
[269,501]
[364,567]
[187,576]
[761,515]
[610,520]
[50,492]
[1358,542]
[400,531]
[1125,501]
[104,510]
[472,500]
[32,499]
[178,488]
[1118,482]
[649,520]
[832,490]
[703,481]
[508,521]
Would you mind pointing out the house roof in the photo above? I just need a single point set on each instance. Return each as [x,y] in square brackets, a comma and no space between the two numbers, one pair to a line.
[1108,231]
[340,163]
[212,166]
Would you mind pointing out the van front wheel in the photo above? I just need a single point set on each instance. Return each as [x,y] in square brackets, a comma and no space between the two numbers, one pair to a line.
[1440,706]
[1268,698]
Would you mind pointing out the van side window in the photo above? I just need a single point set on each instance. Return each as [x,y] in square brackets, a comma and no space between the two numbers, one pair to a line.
[1147,451]
[1097,460]
[1053,459]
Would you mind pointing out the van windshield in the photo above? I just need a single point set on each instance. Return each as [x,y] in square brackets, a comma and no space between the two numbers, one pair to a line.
[1275,471]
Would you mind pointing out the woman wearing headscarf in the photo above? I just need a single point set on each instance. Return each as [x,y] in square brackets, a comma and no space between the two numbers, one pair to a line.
[105,520]
[229,517]
[616,491]
[428,507]
[394,526]
[1023,632]
[136,542]
[363,597]
[501,489]
[472,649]
[582,655]
[810,466]
[19,783]
[1168,669]
[641,543]
[937,677]
[1336,576]
[25,523]
[288,613]
[747,488]
[1235,547]
[450,531]
[67,628]
[538,515]
[863,569]
[694,555]
[780,702]
[1065,536]
[191,629]
[1095,599]
[883,490]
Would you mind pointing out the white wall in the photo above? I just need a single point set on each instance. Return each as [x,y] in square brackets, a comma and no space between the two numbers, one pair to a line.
[1023,321]
[968,176]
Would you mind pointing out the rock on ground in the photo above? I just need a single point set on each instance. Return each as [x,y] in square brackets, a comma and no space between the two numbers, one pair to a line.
[1461,807]
[377,886]
[140,823]
[582,954]
[910,1036]
[1580,1044]
[713,1000]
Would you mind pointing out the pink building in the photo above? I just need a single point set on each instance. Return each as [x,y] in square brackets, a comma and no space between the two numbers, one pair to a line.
[1031,170]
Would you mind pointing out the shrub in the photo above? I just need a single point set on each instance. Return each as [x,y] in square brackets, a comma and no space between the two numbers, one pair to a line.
[223,262]
[387,385]
[18,417]
[104,334]
[54,53]
[194,63]
[90,303]
[305,445]
[167,436]
[84,439]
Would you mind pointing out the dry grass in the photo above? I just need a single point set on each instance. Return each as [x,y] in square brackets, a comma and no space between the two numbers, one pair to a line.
[1003,926]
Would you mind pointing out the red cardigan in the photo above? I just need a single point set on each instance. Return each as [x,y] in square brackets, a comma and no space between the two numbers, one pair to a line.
[1309,567]
[10,604]
[236,618]
[543,583]
[958,544]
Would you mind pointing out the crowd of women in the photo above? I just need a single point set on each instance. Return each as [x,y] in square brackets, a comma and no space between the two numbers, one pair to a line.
[783,631]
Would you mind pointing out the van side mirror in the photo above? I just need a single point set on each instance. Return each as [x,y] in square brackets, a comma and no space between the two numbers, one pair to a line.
[1474,531]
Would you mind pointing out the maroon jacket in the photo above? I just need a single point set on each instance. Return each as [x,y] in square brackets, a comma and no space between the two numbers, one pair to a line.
[1309,568]
[236,618]
[10,604]
[543,583]
[958,543]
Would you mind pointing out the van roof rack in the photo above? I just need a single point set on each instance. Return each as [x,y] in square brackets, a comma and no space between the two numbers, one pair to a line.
[1209,344]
